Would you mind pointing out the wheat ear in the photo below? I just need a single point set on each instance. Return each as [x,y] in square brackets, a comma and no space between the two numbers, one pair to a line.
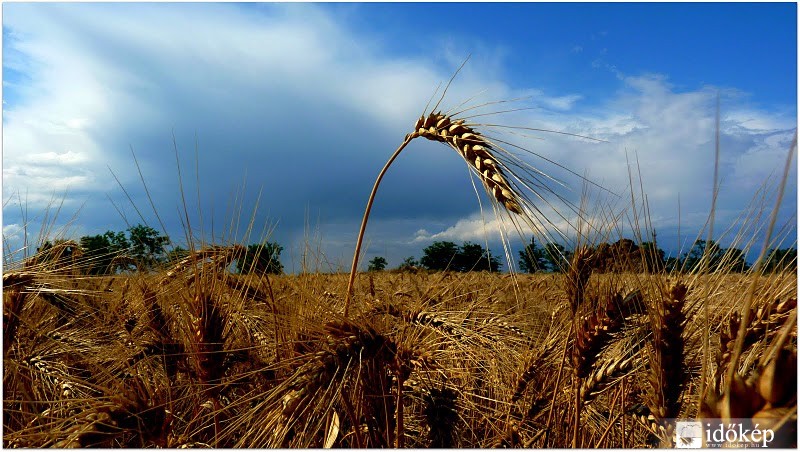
[470,144]
[667,373]
[14,297]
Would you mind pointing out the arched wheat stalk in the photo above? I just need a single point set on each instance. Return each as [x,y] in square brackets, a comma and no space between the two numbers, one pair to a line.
[471,145]
[480,153]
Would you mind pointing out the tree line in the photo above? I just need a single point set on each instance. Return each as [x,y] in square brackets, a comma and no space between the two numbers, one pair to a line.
[623,255]
[142,248]
[444,255]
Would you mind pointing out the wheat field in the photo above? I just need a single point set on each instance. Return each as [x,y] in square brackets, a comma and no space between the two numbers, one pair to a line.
[195,356]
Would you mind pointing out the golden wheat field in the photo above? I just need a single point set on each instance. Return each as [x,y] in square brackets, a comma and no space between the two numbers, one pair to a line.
[195,356]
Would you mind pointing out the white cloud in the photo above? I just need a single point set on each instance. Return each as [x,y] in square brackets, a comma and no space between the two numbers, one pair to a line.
[563,102]
[473,228]
[12,232]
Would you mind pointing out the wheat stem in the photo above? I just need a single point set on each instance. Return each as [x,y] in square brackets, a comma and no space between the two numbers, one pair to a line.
[354,268]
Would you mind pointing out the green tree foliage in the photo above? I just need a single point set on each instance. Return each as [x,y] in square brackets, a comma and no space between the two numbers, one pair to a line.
[692,260]
[652,257]
[177,254]
[112,251]
[147,247]
[439,256]
[100,253]
[735,260]
[378,263]
[781,260]
[467,257]
[409,264]
[472,257]
[532,259]
[557,257]
[718,259]
[261,258]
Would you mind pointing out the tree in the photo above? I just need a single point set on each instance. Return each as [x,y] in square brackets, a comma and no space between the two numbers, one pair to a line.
[557,257]
[532,259]
[672,264]
[177,254]
[439,256]
[378,263]
[781,260]
[147,247]
[96,254]
[693,259]
[467,257]
[261,258]
[472,257]
[733,259]
[100,251]
[652,257]
[409,264]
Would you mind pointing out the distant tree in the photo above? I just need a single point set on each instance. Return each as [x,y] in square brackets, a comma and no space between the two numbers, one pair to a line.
[96,254]
[652,257]
[147,247]
[409,264]
[100,253]
[733,259]
[532,259]
[467,257]
[60,253]
[378,263]
[781,260]
[672,264]
[117,241]
[261,258]
[693,259]
[557,257]
[472,257]
[439,256]
[176,254]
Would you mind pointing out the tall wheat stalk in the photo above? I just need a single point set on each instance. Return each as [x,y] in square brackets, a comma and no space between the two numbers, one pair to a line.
[474,148]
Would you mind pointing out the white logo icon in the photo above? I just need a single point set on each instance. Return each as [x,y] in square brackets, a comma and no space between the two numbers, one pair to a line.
[689,435]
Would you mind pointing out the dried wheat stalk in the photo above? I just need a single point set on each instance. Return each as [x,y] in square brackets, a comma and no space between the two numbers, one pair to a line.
[578,274]
[768,396]
[667,374]
[14,295]
[604,375]
[346,349]
[597,329]
[475,149]
[764,323]
[533,367]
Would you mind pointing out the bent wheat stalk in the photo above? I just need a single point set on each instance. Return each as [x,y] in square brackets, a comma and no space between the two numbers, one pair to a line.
[474,148]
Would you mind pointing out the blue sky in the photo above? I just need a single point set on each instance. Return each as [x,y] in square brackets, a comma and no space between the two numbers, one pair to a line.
[303,103]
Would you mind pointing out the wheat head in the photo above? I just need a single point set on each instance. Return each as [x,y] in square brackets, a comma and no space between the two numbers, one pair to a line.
[475,149]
